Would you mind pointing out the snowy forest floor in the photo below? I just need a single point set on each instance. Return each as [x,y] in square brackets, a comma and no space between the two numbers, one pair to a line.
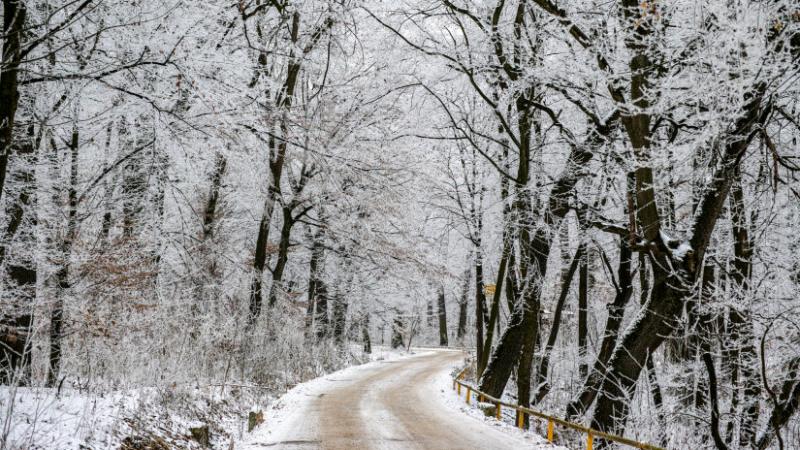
[396,403]
[156,418]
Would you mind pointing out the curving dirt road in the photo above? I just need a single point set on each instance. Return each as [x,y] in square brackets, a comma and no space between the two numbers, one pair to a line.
[384,405]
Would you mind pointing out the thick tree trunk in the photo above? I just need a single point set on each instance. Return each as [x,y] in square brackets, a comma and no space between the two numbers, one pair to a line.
[14,12]
[283,255]
[659,317]
[442,318]
[16,317]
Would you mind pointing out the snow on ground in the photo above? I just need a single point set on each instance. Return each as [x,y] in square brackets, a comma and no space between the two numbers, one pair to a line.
[36,418]
[450,397]
[39,418]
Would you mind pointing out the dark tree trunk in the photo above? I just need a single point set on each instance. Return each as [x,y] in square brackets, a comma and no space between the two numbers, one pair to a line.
[16,317]
[339,315]
[260,259]
[134,179]
[495,309]
[14,12]
[542,385]
[785,407]
[463,305]
[365,333]
[283,255]
[583,326]
[480,303]
[316,264]
[62,276]
[397,330]
[616,312]
[277,157]
[712,395]
[742,354]
[210,213]
[442,318]
[108,203]
[322,322]
[534,254]
[658,397]
[660,315]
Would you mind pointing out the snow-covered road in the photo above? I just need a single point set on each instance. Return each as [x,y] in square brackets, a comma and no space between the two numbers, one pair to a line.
[400,404]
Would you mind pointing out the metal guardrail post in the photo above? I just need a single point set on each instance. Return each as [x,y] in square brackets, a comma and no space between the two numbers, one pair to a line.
[468,395]
[550,431]
[589,441]
[520,419]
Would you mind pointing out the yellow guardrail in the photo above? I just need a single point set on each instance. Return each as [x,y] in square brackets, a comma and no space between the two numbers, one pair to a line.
[591,433]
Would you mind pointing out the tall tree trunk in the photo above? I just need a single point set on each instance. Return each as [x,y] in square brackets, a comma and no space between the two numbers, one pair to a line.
[367,343]
[542,385]
[742,353]
[535,251]
[480,303]
[463,305]
[283,255]
[321,320]
[277,157]
[260,258]
[316,265]
[14,12]
[495,308]
[340,306]
[108,195]
[442,318]
[397,330]
[660,315]
[210,213]
[62,276]
[16,317]
[583,325]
